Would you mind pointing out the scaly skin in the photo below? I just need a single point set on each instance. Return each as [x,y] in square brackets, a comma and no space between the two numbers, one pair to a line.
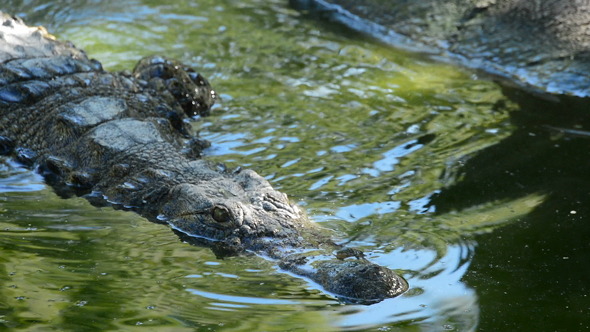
[120,139]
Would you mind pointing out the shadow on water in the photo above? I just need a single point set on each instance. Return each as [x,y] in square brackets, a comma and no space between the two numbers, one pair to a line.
[537,267]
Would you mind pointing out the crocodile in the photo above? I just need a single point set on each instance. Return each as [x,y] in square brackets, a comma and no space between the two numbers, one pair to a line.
[122,139]
[542,46]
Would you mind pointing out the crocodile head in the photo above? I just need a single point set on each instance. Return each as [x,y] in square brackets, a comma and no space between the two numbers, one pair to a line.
[241,212]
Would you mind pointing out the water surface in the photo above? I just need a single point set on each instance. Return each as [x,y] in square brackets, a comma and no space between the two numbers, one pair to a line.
[362,136]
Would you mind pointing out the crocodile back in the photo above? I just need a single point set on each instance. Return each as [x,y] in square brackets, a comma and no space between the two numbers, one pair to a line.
[55,103]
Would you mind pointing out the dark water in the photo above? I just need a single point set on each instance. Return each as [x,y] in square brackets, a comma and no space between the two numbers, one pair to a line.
[477,195]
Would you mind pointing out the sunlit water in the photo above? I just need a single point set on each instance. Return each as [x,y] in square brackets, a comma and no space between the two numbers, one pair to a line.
[359,135]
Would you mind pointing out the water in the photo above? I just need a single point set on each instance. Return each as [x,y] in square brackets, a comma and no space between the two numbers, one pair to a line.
[365,138]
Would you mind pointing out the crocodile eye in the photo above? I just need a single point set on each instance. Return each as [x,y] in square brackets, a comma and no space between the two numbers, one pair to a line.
[220,214]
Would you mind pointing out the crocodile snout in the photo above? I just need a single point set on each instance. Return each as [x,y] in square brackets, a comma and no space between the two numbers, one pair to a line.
[351,280]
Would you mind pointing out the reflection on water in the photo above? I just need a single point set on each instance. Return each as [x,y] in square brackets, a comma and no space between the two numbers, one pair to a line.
[359,135]
[15,181]
[242,300]
[437,297]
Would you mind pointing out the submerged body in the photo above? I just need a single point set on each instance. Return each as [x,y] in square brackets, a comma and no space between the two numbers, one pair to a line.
[538,44]
[121,139]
